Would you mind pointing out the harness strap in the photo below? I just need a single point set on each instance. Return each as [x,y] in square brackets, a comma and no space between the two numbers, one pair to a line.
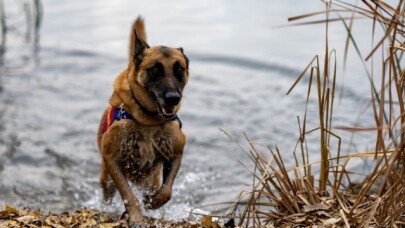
[120,113]
[176,117]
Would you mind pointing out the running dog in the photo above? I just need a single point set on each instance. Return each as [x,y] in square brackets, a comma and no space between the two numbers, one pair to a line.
[140,136]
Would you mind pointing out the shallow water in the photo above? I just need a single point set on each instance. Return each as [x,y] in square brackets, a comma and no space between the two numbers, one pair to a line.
[241,69]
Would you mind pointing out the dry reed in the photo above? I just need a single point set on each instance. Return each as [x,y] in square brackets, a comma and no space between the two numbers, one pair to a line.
[295,197]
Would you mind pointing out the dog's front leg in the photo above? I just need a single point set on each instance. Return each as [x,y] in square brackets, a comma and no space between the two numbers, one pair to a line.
[130,201]
[170,170]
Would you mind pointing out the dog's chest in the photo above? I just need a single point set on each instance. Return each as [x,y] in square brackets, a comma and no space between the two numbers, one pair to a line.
[144,146]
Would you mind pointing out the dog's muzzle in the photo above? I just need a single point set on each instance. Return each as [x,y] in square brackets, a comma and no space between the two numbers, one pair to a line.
[172,98]
[167,105]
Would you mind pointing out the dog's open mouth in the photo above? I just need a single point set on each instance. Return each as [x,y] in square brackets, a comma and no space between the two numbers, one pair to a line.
[166,111]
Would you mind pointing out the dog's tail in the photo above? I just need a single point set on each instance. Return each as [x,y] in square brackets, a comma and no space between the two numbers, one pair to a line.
[139,26]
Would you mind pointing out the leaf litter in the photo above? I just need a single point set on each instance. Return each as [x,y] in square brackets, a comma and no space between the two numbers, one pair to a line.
[83,217]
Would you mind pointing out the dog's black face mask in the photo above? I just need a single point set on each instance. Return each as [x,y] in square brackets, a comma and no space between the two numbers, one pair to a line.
[165,84]
[163,72]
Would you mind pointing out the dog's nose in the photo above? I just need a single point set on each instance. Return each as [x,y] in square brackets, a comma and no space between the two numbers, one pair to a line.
[172,98]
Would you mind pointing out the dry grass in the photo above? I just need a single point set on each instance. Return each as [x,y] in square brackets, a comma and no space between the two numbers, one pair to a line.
[283,196]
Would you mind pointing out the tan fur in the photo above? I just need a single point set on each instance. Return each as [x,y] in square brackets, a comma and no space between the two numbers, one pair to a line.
[138,150]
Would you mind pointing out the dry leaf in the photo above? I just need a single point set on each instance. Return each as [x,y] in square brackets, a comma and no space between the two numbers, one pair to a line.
[206,221]
[53,220]
[4,215]
[36,213]
[316,207]
[26,219]
[11,217]
[11,223]
[110,225]
[105,219]
[215,225]
[11,210]
[68,220]
[323,213]
[193,225]
[90,222]
[331,221]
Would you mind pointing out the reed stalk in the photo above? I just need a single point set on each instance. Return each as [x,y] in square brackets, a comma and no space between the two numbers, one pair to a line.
[290,196]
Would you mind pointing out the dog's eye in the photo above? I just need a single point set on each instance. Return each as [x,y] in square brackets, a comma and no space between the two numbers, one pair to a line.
[156,71]
[178,71]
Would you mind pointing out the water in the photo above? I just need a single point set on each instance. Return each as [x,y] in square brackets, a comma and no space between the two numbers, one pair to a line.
[241,68]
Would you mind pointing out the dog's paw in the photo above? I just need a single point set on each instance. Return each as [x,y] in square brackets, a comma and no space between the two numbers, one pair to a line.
[148,201]
[156,200]
[133,221]
[136,221]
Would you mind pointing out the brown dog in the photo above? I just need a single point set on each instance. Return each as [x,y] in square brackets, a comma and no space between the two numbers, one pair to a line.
[140,136]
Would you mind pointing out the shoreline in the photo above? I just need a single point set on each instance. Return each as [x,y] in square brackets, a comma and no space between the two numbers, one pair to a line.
[83,217]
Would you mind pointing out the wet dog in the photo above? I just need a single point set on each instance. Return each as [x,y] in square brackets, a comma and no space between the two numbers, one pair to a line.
[140,136]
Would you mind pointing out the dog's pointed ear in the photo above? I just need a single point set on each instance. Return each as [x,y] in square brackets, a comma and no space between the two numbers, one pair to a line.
[140,46]
[185,57]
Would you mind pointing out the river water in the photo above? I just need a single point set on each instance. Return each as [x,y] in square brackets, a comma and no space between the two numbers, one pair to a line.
[241,68]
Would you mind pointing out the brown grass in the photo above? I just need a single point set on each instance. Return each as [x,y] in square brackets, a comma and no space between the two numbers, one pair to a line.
[283,196]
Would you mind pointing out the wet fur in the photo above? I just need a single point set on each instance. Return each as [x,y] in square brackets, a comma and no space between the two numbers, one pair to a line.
[149,147]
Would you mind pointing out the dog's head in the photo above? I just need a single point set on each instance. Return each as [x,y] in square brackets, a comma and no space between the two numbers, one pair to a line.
[163,72]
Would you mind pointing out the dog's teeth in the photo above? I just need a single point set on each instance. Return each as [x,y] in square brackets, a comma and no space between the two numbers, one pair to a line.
[165,112]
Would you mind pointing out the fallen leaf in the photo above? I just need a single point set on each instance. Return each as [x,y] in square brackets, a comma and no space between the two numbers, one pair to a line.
[11,210]
[26,219]
[90,222]
[23,212]
[206,221]
[331,221]
[192,224]
[4,215]
[11,223]
[105,219]
[53,220]
[316,207]
[215,225]
[68,220]
[323,213]
[110,225]
[36,213]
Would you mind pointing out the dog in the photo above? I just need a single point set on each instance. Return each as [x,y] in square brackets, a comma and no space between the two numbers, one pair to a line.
[140,136]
